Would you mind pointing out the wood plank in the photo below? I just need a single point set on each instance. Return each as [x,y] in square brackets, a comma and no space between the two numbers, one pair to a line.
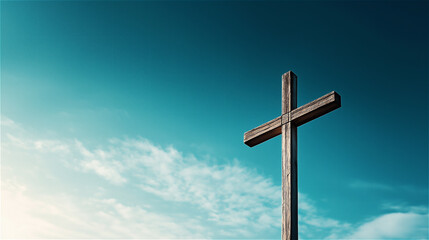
[289,160]
[289,182]
[289,92]
[316,108]
[264,132]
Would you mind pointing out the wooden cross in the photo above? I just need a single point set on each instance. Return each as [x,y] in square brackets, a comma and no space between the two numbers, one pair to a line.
[286,125]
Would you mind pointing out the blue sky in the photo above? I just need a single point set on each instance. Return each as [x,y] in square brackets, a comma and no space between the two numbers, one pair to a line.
[126,119]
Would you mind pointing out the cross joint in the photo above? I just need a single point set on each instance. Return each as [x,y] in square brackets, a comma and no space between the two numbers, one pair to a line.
[286,118]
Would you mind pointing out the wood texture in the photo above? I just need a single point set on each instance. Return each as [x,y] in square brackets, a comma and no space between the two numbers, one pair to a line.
[288,88]
[289,182]
[289,151]
[263,133]
[316,108]
[298,116]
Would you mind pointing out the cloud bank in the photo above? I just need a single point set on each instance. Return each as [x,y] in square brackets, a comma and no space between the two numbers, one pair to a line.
[179,195]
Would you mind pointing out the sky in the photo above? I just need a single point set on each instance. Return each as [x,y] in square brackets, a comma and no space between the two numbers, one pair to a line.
[125,119]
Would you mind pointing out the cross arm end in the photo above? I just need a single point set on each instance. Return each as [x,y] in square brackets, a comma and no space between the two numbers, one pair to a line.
[263,133]
[316,108]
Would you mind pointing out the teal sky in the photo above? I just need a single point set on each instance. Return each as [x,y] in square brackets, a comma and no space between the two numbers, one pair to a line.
[126,119]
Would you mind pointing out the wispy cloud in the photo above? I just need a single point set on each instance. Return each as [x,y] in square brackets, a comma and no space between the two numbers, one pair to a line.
[314,225]
[359,184]
[227,200]
[109,171]
[7,122]
[231,194]
[367,185]
[404,207]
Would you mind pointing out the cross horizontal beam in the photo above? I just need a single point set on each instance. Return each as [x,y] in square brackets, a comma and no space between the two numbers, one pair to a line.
[298,116]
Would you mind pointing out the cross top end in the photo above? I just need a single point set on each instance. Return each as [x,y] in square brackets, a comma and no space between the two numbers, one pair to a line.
[288,74]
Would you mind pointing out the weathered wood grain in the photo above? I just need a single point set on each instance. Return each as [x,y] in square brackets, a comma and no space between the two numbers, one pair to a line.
[289,151]
[288,89]
[298,116]
[289,182]
[316,108]
[263,133]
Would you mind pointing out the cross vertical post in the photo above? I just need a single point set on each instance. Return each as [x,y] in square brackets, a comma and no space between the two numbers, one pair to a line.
[289,159]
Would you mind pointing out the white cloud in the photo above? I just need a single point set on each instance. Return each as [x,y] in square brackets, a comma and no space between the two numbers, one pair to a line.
[7,122]
[403,207]
[312,224]
[51,146]
[394,225]
[403,222]
[109,171]
[231,194]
